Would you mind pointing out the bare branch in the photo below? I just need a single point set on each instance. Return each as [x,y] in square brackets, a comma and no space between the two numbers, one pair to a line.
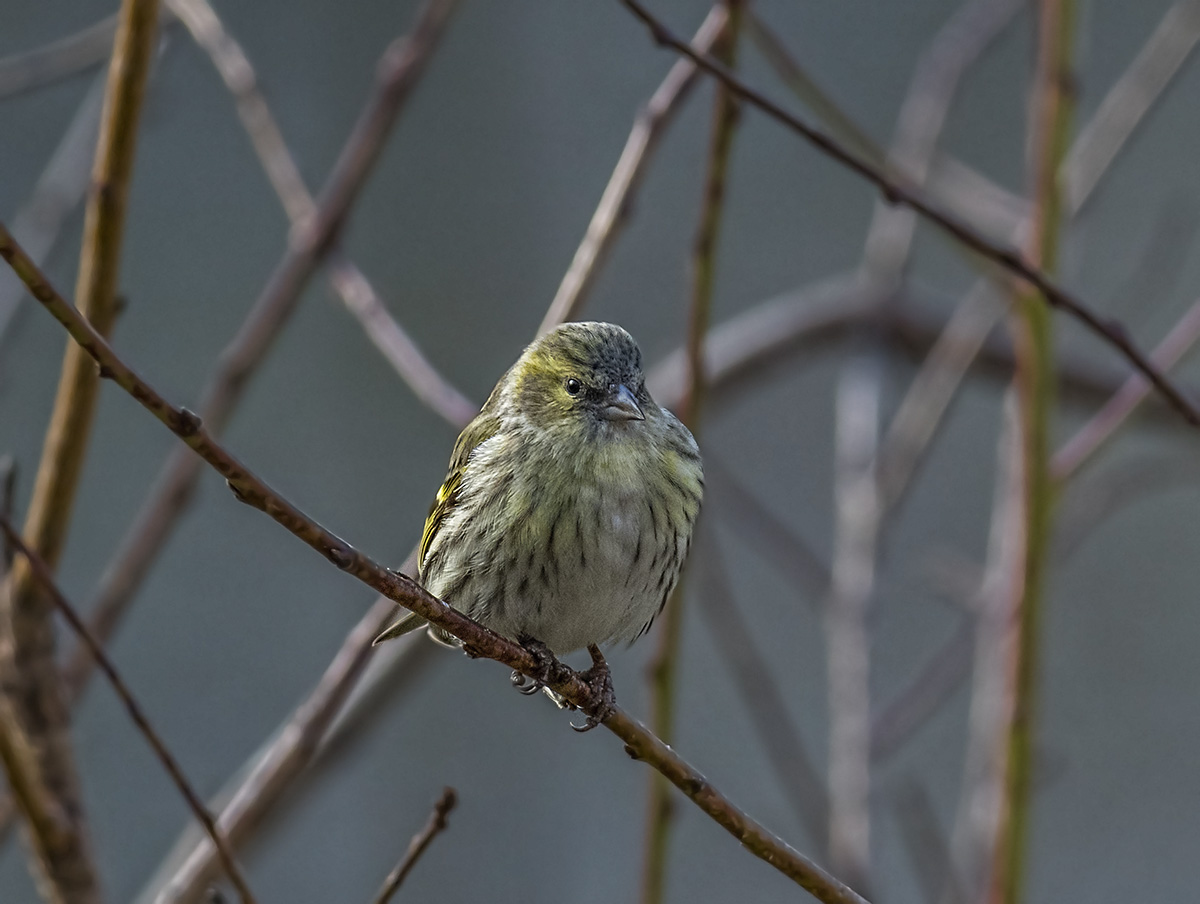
[44,576]
[478,640]
[613,209]
[437,823]
[1007,258]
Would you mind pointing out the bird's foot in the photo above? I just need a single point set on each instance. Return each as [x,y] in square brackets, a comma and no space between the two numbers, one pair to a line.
[531,684]
[599,682]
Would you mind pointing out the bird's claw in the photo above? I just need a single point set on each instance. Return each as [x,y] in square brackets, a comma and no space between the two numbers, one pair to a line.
[531,684]
[599,682]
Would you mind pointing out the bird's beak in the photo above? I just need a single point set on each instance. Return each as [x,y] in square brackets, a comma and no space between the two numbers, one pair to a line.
[622,406]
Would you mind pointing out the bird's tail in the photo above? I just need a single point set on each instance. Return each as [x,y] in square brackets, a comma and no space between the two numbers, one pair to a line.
[407,622]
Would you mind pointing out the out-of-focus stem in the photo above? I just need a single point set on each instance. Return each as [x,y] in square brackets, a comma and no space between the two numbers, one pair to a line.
[1034,381]
[664,664]
[34,738]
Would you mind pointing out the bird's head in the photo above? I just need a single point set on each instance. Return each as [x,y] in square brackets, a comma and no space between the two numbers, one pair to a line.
[582,376]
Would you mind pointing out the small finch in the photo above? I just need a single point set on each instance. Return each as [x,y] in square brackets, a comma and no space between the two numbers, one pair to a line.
[569,504]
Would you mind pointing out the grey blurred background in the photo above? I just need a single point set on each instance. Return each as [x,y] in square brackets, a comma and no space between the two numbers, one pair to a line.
[466,227]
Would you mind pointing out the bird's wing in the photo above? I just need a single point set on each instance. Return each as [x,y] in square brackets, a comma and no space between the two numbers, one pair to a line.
[483,428]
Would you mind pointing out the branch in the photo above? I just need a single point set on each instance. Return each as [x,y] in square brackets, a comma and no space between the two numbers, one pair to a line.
[34,734]
[613,210]
[437,824]
[477,640]
[43,575]
[397,73]
[1007,258]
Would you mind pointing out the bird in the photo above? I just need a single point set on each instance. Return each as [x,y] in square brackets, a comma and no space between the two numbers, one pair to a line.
[569,504]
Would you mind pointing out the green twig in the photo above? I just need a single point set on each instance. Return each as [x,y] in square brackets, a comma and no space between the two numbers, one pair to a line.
[1034,380]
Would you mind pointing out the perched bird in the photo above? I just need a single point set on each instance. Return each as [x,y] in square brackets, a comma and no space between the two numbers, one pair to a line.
[569,505]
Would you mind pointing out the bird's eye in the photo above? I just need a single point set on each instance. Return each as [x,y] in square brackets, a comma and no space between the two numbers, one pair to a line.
[573,386]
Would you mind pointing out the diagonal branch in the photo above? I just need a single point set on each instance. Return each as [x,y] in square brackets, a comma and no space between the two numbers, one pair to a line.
[44,576]
[1008,258]
[640,743]
[435,826]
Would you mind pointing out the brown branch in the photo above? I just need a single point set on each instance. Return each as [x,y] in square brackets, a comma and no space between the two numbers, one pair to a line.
[59,59]
[613,211]
[45,578]
[477,640]
[397,74]
[437,824]
[34,734]
[1006,257]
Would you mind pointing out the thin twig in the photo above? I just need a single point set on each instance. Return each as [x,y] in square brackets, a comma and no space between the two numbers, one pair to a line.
[1007,258]
[398,71]
[59,59]
[437,824]
[34,736]
[613,211]
[662,670]
[44,576]
[347,279]
[478,640]
[1129,100]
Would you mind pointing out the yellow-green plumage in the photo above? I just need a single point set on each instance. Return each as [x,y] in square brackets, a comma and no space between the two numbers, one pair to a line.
[570,500]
